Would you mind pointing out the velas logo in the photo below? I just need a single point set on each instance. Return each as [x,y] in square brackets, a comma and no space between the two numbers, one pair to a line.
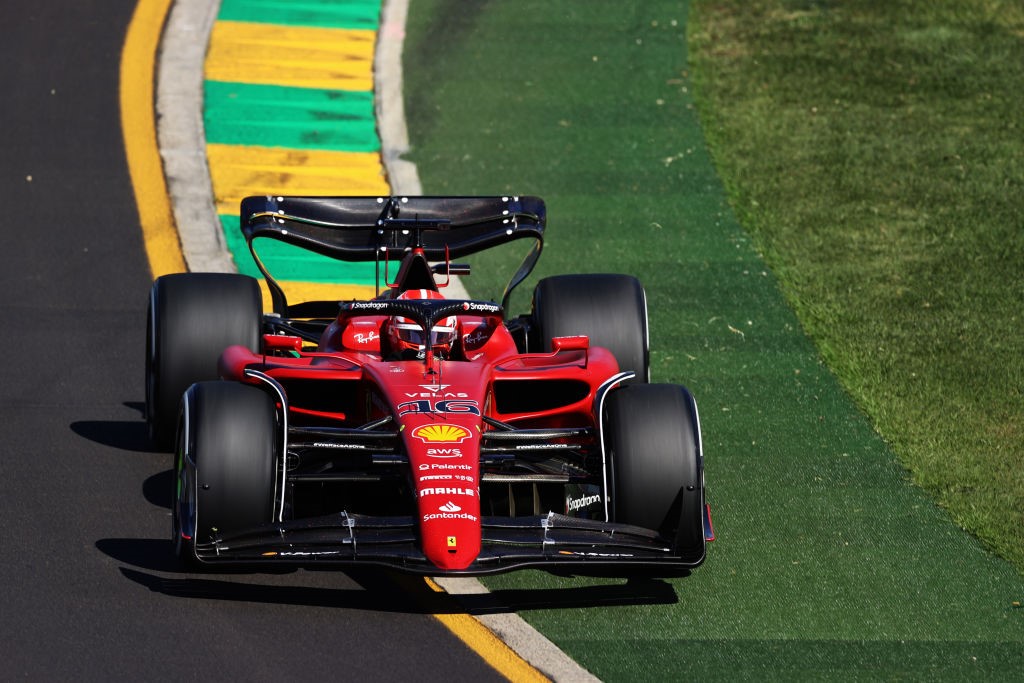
[441,433]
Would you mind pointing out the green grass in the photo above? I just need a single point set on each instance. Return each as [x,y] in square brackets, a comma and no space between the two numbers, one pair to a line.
[830,563]
[874,149]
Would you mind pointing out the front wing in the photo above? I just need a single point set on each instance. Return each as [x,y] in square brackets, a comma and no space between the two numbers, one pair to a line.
[552,541]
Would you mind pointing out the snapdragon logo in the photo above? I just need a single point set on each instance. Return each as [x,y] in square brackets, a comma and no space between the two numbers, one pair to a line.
[576,504]
[483,308]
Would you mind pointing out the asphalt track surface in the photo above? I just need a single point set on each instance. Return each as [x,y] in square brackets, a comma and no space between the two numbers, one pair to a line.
[89,588]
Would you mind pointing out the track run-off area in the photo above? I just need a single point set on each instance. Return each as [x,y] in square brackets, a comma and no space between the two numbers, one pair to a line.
[830,564]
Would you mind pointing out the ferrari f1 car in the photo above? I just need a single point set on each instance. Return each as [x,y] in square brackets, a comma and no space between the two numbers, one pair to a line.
[430,435]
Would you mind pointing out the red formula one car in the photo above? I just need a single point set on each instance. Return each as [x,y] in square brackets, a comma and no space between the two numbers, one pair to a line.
[412,431]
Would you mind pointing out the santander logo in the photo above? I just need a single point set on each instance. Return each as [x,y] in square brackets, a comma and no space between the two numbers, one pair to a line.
[449,507]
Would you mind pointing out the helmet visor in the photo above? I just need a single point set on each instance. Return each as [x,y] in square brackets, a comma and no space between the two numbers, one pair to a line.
[440,335]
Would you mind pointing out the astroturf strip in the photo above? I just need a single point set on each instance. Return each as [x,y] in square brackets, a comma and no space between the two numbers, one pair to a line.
[830,563]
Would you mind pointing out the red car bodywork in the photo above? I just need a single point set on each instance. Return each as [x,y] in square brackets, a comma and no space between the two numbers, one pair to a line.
[439,404]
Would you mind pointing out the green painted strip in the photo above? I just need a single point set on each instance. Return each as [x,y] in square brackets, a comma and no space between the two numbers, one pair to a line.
[363,14]
[300,118]
[294,118]
[829,564]
[291,263]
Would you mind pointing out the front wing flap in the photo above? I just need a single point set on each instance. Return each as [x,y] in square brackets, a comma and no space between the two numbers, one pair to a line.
[550,541]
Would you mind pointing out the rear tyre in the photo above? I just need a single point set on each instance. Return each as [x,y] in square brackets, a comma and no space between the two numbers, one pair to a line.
[225,463]
[192,318]
[610,309]
[652,437]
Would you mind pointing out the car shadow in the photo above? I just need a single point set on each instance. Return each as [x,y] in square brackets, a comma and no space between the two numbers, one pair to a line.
[632,592]
[126,435]
[269,594]
[153,566]
[158,489]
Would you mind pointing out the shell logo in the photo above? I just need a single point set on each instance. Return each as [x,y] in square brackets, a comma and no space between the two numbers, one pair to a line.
[435,433]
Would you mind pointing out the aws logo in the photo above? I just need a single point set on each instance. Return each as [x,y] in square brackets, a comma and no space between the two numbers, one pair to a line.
[444,453]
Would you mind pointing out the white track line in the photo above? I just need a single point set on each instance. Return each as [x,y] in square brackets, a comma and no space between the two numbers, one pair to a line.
[182,137]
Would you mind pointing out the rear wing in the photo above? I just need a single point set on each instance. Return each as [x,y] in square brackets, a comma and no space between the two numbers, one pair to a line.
[363,229]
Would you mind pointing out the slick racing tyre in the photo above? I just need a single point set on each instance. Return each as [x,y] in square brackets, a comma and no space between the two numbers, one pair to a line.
[224,464]
[652,437]
[610,309]
[192,318]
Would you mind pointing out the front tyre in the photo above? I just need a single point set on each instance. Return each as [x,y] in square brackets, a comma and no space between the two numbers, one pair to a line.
[652,437]
[224,464]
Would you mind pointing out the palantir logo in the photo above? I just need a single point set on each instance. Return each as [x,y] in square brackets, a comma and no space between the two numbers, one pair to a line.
[449,507]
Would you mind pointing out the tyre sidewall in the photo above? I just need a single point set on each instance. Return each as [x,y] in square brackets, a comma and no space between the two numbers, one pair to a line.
[652,437]
[234,444]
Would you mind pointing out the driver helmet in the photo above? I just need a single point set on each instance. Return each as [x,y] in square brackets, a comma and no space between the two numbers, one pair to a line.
[407,338]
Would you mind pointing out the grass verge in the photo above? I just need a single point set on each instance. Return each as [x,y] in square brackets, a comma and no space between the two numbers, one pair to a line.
[874,150]
[830,565]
